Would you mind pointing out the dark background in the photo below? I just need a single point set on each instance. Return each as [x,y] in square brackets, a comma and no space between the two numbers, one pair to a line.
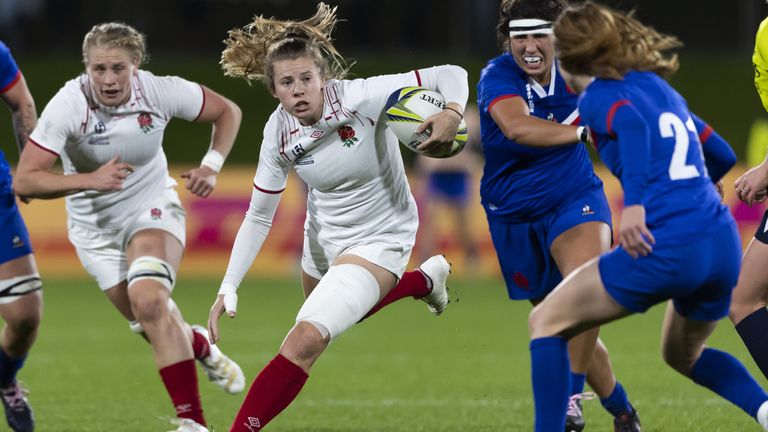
[184,38]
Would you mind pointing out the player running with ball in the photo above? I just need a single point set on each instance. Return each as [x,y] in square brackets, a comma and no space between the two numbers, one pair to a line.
[361,218]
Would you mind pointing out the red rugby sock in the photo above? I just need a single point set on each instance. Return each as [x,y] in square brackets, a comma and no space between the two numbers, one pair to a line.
[413,284]
[276,386]
[180,380]
[200,347]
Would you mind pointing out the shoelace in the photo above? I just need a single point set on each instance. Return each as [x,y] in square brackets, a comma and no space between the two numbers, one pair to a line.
[15,396]
[574,406]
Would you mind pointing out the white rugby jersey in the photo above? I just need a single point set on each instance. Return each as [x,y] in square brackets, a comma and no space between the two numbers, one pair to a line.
[358,191]
[87,134]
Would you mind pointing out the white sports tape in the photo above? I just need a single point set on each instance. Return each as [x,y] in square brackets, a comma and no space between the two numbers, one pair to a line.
[149,267]
[342,298]
[529,26]
[213,160]
[136,327]
[14,287]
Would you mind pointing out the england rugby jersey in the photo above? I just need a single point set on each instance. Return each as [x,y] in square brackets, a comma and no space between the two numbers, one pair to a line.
[9,76]
[522,182]
[358,192]
[87,134]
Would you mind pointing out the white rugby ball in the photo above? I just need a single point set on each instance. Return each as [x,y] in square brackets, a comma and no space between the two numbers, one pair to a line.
[407,108]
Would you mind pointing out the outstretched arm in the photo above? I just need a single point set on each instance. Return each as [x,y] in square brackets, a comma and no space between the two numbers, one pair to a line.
[517,124]
[250,238]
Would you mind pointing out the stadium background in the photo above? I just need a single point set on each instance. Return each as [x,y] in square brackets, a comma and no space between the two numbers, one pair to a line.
[184,38]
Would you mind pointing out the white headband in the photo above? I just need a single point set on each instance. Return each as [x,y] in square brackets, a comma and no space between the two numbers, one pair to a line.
[529,26]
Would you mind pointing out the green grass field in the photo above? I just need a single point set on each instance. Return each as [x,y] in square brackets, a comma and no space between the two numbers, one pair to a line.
[402,370]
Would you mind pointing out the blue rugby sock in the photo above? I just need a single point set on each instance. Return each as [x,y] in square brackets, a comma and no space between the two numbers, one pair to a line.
[577,383]
[550,373]
[752,332]
[725,375]
[617,403]
[8,368]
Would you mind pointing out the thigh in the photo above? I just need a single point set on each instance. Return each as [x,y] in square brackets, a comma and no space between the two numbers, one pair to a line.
[523,253]
[156,243]
[751,292]
[580,244]
[385,278]
[308,283]
[579,302]
[21,266]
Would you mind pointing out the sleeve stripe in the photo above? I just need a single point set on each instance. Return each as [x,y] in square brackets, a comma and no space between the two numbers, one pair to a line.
[573,118]
[501,98]
[12,83]
[43,148]
[705,134]
[418,77]
[267,191]
[612,113]
[202,107]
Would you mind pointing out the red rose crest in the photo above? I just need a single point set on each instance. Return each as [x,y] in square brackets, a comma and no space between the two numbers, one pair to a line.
[145,122]
[347,135]
[156,213]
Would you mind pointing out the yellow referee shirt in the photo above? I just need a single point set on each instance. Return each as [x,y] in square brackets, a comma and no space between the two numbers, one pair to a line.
[759,60]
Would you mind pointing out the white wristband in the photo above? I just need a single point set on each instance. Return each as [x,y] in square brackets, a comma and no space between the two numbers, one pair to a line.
[213,160]
[581,134]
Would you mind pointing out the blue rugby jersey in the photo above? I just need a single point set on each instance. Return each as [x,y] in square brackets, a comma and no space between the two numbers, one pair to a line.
[9,75]
[522,183]
[650,140]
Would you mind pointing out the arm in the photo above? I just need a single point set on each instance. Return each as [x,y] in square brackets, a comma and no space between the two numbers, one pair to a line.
[718,154]
[451,82]
[250,238]
[517,124]
[34,178]
[634,152]
[22,106]
[225,116]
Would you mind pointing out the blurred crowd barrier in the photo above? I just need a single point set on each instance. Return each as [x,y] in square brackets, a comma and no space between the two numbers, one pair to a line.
[212,225]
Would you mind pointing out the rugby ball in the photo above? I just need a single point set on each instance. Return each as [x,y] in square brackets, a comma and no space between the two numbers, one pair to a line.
[407,108]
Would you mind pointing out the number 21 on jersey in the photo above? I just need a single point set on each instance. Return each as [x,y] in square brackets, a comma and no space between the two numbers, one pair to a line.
[671,126]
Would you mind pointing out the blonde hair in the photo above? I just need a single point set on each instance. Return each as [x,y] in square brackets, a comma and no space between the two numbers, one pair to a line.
[116,35]
[250,52]
[597,41]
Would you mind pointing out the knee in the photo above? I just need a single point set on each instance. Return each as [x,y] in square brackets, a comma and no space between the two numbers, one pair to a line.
[148,305]
[539,323]
[741,308]
[25,324]
[304,344]
[678,360]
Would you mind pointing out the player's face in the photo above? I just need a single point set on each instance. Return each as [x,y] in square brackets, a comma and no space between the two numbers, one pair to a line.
[298,86]
[534,54]
[110,70]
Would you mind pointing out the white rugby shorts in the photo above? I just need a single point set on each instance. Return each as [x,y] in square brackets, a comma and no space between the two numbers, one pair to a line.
[102,252]
[315,260]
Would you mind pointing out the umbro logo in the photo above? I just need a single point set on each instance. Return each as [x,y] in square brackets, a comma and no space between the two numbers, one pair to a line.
[253,424]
